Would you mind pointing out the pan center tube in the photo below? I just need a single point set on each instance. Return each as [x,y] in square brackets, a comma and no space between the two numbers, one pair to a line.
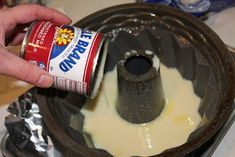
[140,91]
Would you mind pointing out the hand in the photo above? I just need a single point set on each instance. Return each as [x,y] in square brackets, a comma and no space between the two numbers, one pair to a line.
[12,65]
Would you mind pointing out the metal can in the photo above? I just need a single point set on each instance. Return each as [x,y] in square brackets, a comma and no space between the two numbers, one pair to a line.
[75,57]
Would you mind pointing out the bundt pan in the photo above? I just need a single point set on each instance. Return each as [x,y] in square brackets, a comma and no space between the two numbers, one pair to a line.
[181,41]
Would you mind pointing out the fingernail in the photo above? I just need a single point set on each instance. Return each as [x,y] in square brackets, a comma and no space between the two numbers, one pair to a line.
[70,20]
[45,81]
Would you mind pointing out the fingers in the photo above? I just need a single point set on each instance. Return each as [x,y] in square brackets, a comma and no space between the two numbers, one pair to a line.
[25,14]
[18,39]
[14,66]
[22,14]
[31,12]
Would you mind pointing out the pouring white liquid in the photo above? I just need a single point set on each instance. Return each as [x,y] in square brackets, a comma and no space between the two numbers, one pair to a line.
[172,128]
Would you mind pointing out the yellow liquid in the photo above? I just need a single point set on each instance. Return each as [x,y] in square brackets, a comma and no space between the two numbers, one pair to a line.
[172,128]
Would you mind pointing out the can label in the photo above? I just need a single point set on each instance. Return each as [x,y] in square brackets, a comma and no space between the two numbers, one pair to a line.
[66,52]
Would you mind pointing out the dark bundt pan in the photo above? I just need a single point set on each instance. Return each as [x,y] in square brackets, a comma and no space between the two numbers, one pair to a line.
[181,41]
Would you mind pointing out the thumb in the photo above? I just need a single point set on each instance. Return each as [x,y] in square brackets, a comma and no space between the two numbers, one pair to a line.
[16,67]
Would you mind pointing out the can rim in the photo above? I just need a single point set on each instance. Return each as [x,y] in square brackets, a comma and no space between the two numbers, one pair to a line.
[98,67]
[26,39]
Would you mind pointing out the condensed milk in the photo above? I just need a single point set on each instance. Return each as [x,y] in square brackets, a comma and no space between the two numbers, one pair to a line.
[75,57]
